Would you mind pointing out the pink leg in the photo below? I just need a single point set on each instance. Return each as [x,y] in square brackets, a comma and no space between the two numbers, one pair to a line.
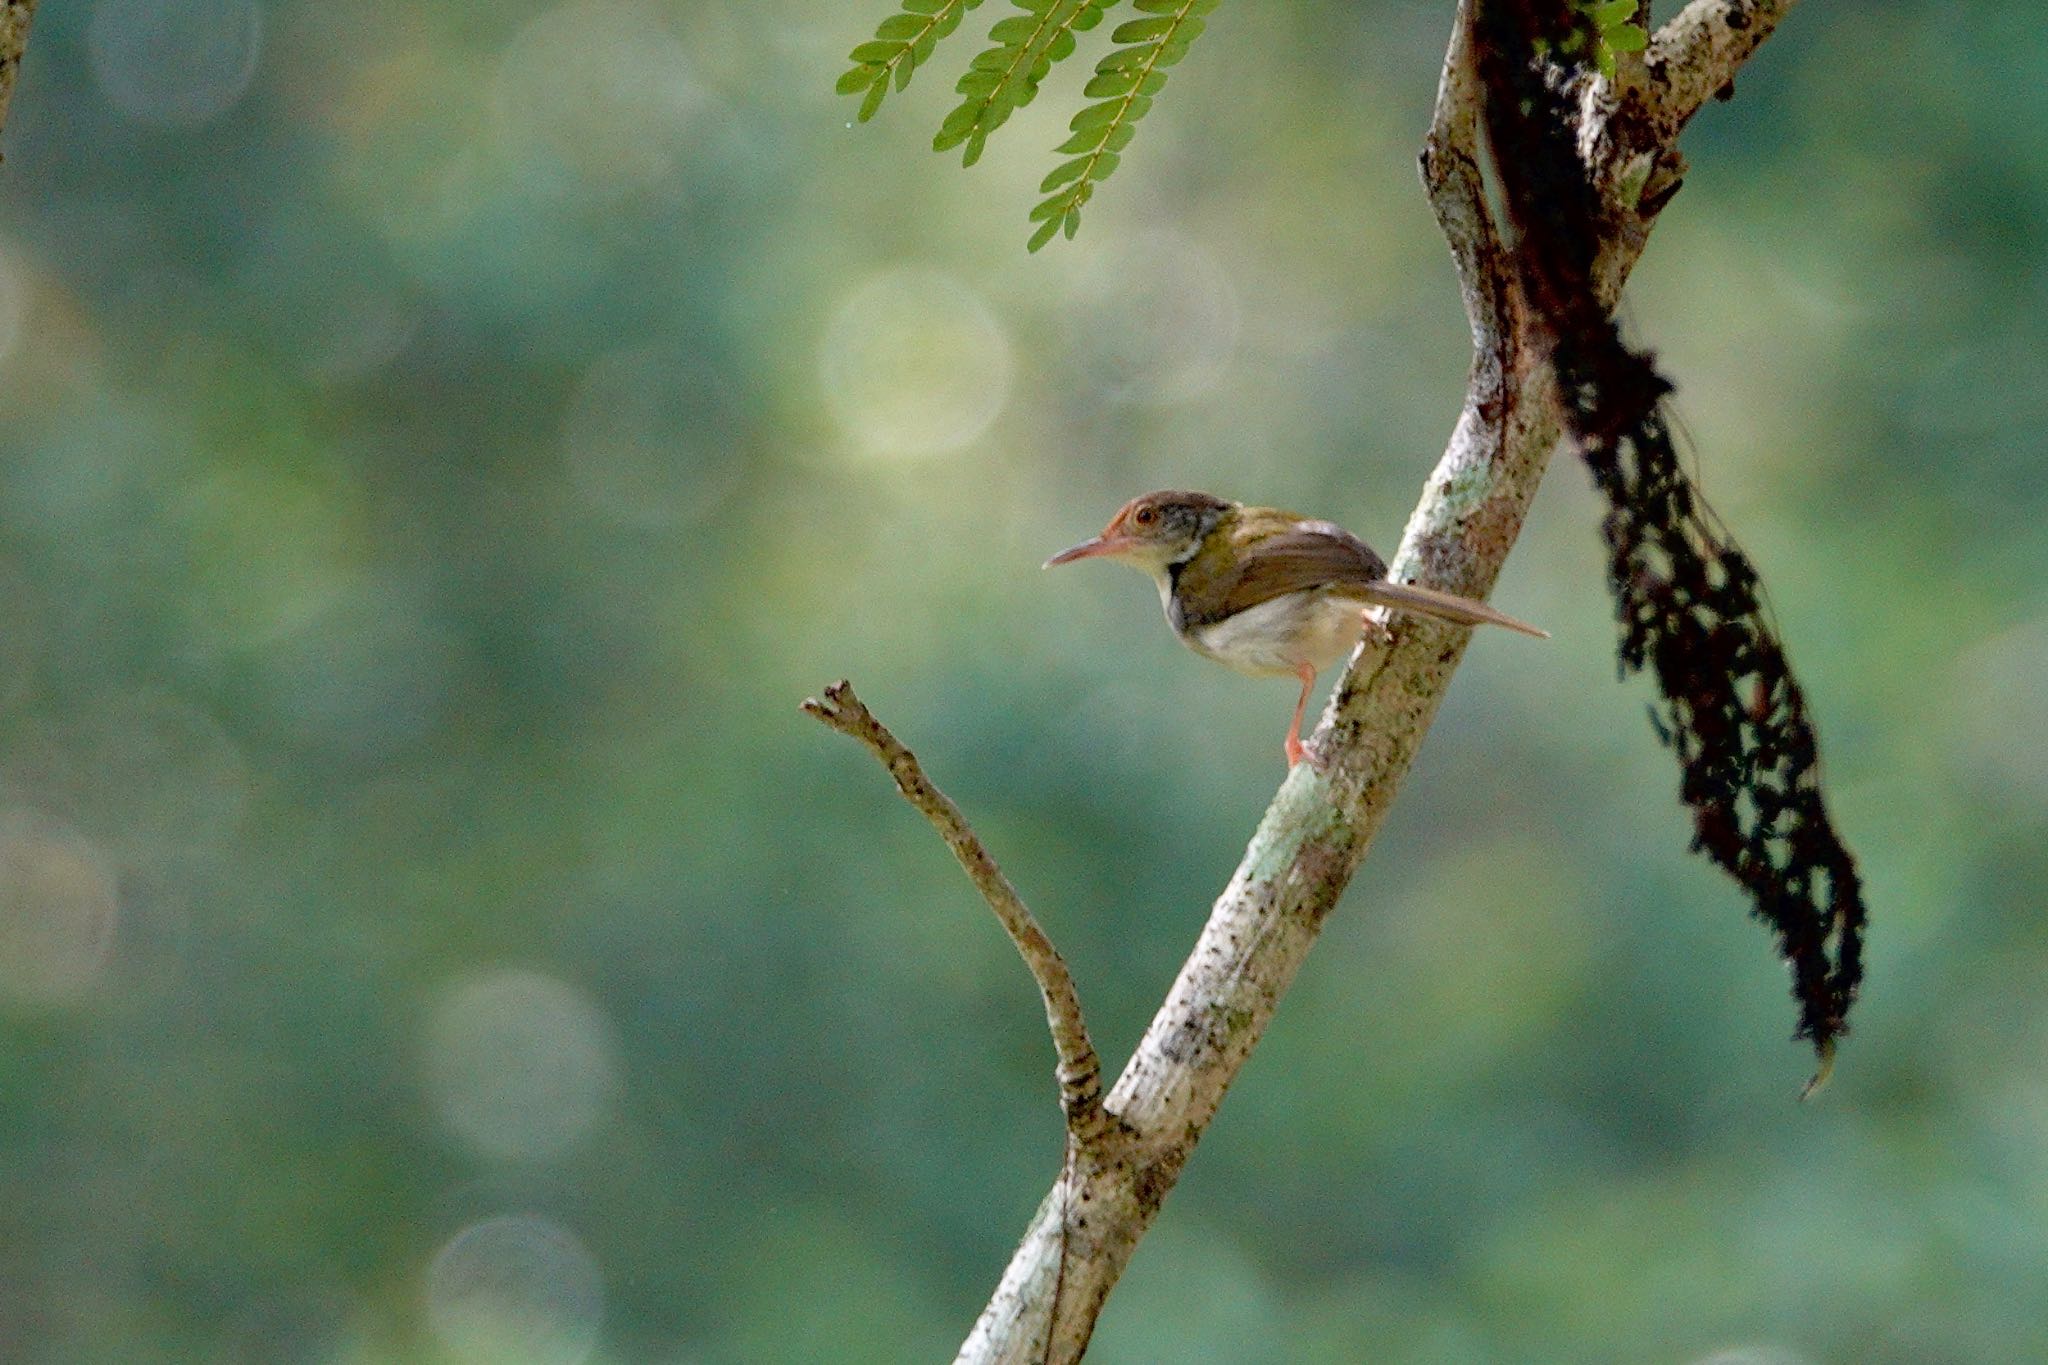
[1295,751]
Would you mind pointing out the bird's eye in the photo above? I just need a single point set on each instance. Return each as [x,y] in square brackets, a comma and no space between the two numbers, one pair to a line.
[1145,516]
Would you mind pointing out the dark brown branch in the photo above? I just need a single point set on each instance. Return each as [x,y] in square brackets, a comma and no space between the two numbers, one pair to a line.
[1080,1070]
[1691,604]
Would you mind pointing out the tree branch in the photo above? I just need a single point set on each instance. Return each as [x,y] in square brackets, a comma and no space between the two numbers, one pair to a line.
[14,21]
[1694,58]
[1456,188]
[1080,1070]
[1323,819]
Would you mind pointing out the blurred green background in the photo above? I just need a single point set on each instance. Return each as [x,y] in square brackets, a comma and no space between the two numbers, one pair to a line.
[441,442]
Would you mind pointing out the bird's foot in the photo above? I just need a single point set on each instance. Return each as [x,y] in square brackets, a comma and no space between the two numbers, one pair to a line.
[1297,752]
[1377,633]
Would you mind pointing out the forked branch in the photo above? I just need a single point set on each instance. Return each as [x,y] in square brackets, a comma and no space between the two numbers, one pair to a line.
[1323,819]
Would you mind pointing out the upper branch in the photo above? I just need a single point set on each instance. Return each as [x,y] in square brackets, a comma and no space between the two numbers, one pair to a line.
[1695,56]
[1456,187]
[1080,1070]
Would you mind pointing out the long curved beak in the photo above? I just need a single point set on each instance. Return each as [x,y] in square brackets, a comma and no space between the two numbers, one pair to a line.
[1092,549]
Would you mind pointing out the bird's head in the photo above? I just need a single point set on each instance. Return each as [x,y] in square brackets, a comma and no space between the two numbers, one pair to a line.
[1153,532]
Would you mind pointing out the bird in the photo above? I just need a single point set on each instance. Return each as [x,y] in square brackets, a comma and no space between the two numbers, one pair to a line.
[1267,592]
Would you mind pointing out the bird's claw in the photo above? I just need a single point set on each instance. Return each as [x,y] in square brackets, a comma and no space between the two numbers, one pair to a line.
[1297,752]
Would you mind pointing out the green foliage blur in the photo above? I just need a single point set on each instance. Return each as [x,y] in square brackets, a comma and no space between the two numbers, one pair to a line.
[440,444]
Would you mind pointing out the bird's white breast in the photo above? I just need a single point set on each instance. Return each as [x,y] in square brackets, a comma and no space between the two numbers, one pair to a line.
[1280,635]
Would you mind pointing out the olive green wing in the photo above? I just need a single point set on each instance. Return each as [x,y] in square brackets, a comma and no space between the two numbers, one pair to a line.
[1306,555]
[1319,555]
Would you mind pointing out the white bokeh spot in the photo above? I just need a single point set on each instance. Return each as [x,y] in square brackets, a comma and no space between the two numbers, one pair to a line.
[600,92]
[914,364]
[1998,683]
[175,63]
[516,1289]
[519,1065]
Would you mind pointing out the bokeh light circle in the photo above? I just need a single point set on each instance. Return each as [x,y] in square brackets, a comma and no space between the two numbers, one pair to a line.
[1998,683]
[175,63]
[515,1288]
[59,907]
[600,91]
[914,364]
[416,157]
[521,1066]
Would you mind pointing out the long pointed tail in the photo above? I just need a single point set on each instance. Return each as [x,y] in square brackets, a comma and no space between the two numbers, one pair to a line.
[1444,606]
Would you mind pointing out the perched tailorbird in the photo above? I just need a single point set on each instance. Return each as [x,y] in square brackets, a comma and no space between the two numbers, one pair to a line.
[1266,591]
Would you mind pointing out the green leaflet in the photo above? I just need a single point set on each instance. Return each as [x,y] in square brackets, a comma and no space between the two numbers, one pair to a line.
[1123,86]
[903,42]
[1608,27]
[1123,81]
[1022,48]
[1061,174]
[1143,30]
